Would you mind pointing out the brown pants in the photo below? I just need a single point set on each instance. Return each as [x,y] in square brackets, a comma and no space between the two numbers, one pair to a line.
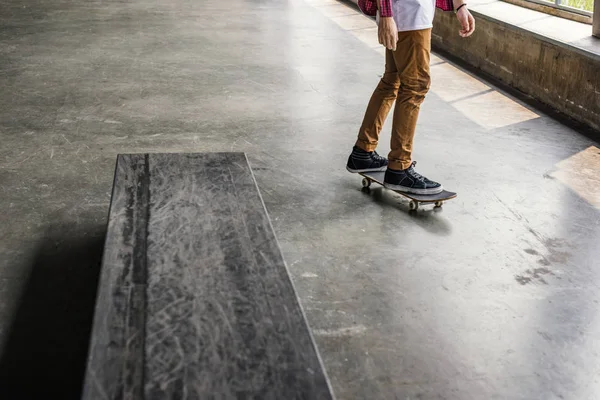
[406,80]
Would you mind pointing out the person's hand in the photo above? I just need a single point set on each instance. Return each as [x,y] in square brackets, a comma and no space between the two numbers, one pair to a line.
[388,32]
[467,22]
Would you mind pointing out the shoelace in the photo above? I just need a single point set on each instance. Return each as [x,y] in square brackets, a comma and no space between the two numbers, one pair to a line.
[414,173]
[377,157]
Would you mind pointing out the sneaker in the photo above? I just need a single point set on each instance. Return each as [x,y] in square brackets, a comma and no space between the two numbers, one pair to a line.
[365,161]
[409,181]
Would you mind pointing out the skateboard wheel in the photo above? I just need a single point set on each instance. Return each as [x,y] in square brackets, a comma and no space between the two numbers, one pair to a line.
[366,182]
[413,205]
[439,203]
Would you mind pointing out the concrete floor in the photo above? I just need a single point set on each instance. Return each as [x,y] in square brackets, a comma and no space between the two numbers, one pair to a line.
[493,297]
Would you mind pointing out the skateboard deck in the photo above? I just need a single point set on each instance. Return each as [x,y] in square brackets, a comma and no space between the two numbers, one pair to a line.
[415,199]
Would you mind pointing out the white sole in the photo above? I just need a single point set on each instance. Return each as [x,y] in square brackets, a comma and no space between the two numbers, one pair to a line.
[404,189]
[356,171]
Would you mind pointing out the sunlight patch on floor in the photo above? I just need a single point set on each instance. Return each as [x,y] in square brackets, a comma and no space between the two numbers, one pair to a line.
[492,110]
[581,173]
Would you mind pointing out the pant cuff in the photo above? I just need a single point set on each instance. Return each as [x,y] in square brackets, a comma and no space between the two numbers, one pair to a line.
[399,165]
[366,146]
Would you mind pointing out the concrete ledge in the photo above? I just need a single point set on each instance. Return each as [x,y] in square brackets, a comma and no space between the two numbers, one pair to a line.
[194,295]
[516,49]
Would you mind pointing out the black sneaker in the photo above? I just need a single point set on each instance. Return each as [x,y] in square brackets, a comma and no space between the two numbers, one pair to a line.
[365,161]
[410,181]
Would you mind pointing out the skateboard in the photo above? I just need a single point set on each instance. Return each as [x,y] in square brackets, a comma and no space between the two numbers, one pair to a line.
[415,199]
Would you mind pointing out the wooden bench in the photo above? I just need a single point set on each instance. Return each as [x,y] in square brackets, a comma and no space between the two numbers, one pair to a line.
[194,300]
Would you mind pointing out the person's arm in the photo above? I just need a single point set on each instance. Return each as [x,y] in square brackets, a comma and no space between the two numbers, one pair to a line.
[467,22]
[388,31]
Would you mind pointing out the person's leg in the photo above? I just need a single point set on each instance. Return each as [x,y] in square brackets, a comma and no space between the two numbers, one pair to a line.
[363,157]
[379,105]
[412,58]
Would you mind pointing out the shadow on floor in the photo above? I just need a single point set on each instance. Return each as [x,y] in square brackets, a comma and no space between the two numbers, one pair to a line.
[47,344]
[424,216]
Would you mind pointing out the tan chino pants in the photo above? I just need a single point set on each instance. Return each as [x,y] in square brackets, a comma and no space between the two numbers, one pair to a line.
[406,80]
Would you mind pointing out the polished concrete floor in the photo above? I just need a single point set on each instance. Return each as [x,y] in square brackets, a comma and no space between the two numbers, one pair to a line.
[496,296]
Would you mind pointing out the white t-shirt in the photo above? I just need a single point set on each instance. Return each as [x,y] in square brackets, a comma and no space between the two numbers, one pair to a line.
[412,15]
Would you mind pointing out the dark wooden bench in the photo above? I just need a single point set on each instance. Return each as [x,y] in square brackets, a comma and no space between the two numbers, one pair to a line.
[195,301]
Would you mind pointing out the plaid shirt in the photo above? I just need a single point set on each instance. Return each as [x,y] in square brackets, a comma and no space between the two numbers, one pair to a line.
[369,7]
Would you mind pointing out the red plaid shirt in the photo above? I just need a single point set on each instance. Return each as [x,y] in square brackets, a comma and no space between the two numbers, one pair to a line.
[369,7]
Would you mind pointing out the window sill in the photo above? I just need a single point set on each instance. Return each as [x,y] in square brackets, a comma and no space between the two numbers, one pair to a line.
[576,36]
[548,9]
